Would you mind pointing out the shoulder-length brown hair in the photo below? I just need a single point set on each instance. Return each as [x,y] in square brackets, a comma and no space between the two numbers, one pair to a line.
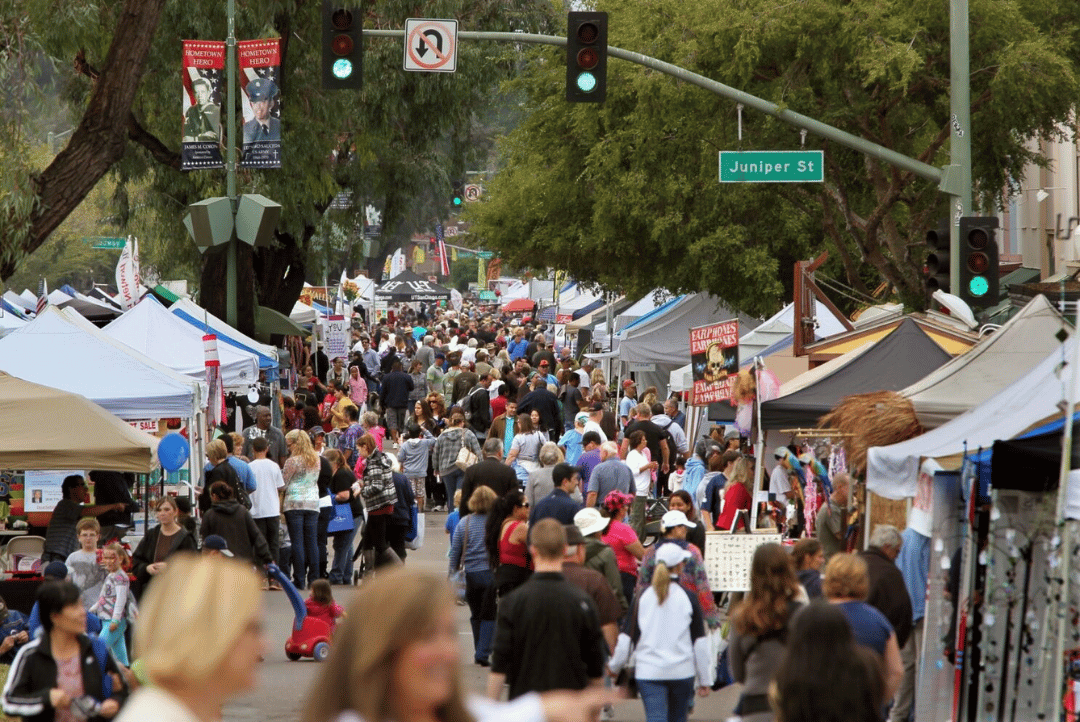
[386,615]
[772,585]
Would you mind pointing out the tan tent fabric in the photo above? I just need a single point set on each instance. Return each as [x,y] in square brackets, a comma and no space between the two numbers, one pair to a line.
[45,428]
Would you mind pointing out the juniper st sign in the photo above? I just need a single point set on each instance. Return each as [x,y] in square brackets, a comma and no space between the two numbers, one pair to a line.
[772,166]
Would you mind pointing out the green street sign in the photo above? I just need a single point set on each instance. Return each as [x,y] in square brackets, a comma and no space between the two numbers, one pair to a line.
[486,255]
[772,166]
[105,242]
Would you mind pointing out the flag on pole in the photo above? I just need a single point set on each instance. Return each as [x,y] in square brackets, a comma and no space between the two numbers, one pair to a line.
[444,263]
[215,405]
[43,297]
[128,281]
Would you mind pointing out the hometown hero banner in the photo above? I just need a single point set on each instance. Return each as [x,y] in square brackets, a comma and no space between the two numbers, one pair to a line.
[714,360]
[203,62]
[260,73]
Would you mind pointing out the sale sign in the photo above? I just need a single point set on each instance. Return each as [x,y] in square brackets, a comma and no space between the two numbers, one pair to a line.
[714,361]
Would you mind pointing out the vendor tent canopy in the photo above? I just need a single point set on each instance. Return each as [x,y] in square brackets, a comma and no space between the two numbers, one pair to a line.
[14,300]
[171,341]
[407,287]
[57,351]
[898,360]
[991,365]
[202,320]
[95,440]
[303,313]
[519,305]
[9,322]
[892,471]
[87,307]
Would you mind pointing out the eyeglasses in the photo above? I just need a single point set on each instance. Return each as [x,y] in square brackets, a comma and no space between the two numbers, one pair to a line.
[524,505]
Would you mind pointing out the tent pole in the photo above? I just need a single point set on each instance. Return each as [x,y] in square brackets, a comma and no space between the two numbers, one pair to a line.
[759,449]
[1066,538]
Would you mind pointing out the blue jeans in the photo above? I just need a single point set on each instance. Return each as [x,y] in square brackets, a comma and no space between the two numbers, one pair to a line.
[305,553]
[342,571]
[115,640]
[666,700]
[452,482]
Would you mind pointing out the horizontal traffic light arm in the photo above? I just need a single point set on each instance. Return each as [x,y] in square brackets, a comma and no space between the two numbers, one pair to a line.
[903,162]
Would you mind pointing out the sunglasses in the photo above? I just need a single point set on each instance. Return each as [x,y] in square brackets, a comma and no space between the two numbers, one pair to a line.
[524,505]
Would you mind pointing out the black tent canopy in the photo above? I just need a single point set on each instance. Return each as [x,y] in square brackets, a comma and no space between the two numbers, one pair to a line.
[895,362]
[408,286]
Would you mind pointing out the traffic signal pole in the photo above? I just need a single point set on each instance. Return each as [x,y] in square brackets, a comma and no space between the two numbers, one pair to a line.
[232,314]
[958,174]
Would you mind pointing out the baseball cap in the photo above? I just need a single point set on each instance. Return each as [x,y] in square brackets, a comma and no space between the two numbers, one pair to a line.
[675,518]
[627,383]
[217,542]
[780,452]
[732,433]
[543,363]
[581,416]
[589,521]
[56,570]
[672,554]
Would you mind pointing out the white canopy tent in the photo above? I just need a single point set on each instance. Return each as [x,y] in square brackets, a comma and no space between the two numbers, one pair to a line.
[9,322]
[201,319]
[991,365]
[86,306]
[892,471]
[153,331]
[18,301]
[303,314]
[54,350]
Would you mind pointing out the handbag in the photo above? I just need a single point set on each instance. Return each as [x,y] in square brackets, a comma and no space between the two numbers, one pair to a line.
[465,456]
[414,539]
[342,520]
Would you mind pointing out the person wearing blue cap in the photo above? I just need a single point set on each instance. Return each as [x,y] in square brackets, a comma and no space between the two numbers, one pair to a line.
[263,127]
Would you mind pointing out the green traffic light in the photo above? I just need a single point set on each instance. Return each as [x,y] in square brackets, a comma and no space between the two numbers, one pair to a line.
[343,68]
[586,82]
[978,286]
[457,200]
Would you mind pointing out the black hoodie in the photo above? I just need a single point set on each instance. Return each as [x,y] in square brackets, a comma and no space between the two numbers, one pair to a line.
[234,523]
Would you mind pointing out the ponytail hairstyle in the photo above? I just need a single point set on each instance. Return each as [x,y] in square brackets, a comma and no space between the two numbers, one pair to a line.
[500,511]
[661,581]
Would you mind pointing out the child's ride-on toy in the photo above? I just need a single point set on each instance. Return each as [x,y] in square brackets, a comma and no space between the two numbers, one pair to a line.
[310,637]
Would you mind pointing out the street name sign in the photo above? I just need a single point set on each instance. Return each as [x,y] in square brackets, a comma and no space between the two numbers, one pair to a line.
[103,242]
[430,45]
[772,166]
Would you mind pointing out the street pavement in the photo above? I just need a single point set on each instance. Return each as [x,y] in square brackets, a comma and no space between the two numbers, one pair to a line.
[284,685]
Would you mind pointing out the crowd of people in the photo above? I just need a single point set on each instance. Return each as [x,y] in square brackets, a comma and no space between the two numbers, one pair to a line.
[548,477]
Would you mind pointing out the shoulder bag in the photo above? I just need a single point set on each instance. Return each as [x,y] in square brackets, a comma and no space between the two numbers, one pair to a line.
[465,456]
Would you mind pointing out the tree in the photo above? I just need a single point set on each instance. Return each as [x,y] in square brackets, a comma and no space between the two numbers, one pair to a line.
[395,144]
[626,193]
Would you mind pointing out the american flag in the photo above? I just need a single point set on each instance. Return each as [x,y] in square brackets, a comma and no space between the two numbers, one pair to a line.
[444,262]
[43,297]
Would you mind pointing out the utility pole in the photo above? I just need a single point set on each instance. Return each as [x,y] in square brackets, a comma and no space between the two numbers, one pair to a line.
[960,140]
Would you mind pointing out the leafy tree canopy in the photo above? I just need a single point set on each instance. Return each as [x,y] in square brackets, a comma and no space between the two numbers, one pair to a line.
[626,193]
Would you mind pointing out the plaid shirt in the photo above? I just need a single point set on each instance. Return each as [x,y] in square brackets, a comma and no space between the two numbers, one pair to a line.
[449,444]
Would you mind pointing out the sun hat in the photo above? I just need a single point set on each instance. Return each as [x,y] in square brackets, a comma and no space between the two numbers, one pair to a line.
[589,521]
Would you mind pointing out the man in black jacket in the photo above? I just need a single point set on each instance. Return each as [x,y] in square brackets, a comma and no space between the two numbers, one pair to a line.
[490,472]
[888,593]
[394,397]
[546,404]
[478,407]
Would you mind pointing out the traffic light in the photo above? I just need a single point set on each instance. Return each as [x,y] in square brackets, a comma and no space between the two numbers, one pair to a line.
[978,261]
[457,195]
[937,260]
[586,57]
[342,46]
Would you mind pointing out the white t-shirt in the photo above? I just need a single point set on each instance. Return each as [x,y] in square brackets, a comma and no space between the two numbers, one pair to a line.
[642,479]
[591,425]
[87,575]
[779,484]
[268,479]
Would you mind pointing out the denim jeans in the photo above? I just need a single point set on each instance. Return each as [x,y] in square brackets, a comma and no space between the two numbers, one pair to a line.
[342,571]
[483,630]
[305,554]
[452,482]
[666,700]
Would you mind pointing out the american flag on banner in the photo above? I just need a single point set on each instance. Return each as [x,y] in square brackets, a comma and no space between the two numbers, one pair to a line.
[444,262]
[215,406]
[42,297]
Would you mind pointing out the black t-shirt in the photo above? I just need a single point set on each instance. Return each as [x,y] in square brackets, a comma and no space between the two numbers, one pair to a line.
[653,436]
[343,481]
[571,403]
[326,475]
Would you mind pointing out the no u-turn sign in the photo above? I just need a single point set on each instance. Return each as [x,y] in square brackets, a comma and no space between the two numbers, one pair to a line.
[430,45]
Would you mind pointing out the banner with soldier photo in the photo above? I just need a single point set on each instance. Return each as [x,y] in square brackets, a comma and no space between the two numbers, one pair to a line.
[714,360]
[260,73]
[203,63]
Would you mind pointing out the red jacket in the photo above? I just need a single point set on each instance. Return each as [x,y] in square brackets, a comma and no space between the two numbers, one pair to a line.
[326,612]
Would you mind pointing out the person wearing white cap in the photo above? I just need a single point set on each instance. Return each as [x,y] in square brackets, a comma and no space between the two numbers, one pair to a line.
[666,627]
[692,577]
[598,555]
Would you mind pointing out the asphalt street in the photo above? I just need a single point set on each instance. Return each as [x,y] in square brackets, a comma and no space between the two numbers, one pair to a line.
[284,685]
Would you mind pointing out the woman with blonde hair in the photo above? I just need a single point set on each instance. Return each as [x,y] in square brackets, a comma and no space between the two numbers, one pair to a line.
[301,506]
[598,390]
[406,667]
[666,627]
[199,640]
[759,629]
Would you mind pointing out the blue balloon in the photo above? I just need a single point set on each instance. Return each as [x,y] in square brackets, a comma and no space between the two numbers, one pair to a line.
[172,451]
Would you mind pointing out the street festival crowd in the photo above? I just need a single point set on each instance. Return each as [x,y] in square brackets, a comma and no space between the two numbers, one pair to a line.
[577,508]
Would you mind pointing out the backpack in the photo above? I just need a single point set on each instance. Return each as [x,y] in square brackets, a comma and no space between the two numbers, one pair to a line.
[673,450]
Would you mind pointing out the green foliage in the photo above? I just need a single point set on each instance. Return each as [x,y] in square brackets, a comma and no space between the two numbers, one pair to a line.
[626,194]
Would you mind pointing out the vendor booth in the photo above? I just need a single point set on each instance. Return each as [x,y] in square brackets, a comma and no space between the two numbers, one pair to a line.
[408,287]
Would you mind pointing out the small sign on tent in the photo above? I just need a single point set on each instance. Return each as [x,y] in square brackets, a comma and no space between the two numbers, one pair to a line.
[714,360]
